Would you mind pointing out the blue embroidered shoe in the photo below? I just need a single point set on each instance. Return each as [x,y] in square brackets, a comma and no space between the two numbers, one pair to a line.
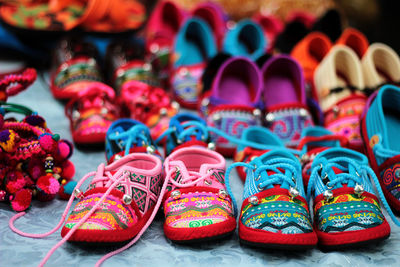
[274,212]
[380,128]
[185,130]
[264,138]
[194,46]
[126,136]
[247,39]
[346,211]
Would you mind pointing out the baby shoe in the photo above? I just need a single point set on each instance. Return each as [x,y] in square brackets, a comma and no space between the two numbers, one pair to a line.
[197,206]
[380,126]
[246,39]
[125,136]
[338,80]
[91,112]
[233,101]
[271,26]
[380,65]
[263,138]
[137,87]
[214,15]
[119,200]
[13,83]
[346,211]
[274,212]
[194,46]
[309,52]
[162,27]
[185,130]
[313,141]
[354,39]
[285,101]
[74,68]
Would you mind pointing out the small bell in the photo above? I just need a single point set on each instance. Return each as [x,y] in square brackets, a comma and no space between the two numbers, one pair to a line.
[270,117]
[78,193]
[253,200]
[359,190]
[150,149]
[211,146]
[293,192]
[328,195]
[127,199]
[222,194]
[216,117]
[303,113]
[176,194]
[257,113]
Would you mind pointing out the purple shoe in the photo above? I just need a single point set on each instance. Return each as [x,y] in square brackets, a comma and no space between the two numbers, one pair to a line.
[233,101]
[285,101]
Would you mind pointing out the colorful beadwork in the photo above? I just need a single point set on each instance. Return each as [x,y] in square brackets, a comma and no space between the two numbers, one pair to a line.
[278,213]
[348,212]
[288,124]
[197,209]
[111,215]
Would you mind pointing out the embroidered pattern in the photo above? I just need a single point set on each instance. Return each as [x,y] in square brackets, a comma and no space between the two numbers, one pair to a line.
[78,70]
[391,179]
[348,212]
[185,82]
[111,215]
[278,214]
[197,209]
[232,122]
[344,119]
[288,124]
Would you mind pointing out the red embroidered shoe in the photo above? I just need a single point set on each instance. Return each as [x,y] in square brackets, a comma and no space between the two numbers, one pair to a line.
[197,206]
[74,68]
[90,113]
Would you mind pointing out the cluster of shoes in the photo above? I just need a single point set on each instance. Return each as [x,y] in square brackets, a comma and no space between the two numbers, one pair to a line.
[259,108]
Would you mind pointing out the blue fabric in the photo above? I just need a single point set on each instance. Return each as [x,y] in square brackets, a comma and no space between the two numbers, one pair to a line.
[194,43]
[259,135]
[383,120]
[153,249]
[245,39]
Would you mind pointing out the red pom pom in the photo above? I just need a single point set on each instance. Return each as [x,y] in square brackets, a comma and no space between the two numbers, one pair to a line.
[35,169]
[15,181]
[47,187]
[68,170]
[21,200]
[48,143]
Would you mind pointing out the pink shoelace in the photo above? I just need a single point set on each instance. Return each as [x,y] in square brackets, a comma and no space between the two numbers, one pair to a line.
[109,180]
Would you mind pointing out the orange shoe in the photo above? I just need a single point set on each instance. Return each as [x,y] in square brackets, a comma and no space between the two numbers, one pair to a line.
[354,39]
[310,51]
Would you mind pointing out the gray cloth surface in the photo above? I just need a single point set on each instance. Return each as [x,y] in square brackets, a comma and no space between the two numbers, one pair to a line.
[153,249]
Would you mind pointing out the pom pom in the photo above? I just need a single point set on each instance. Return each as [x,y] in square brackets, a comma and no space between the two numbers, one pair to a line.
[8,140]
[64,150]
[15,181]
[47,143]
[68,170]
[67,190]
[47,187]
[21,200]
[2,195]
[35,120]
[35,169]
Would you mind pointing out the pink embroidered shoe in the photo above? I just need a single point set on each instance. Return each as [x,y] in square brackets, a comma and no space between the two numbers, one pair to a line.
[129,189]
[285,100]
[197,206]
[13,83]
[91,113]
[119,205]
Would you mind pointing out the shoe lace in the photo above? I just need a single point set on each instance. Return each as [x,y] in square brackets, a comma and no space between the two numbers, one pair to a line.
[99,176]
[185,180]
[345,177]
[192,128]
[382,152]
[282,170]
[138,135]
